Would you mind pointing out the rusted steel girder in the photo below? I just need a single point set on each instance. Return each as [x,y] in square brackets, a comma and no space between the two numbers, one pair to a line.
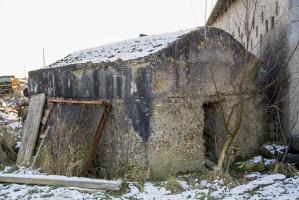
[70,101]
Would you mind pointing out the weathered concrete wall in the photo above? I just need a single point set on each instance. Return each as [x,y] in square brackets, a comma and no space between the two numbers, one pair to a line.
[157,119]
[293,38]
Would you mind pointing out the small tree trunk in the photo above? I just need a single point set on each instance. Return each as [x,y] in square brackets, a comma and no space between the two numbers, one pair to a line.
[224,150]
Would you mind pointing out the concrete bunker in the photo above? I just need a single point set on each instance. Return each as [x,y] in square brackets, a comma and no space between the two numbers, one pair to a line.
[160,88]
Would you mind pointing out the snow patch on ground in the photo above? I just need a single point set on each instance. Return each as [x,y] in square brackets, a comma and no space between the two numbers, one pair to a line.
[15,125]
[8,113]
[8,117]
[270,161]
[266,180]
[260,186]
[20,170]
[16,191]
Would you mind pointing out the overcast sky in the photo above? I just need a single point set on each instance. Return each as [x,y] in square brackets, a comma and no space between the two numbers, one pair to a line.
[62,27]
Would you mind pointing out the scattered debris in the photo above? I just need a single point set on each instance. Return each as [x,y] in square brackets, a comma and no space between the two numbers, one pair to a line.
[273,151]
[10,128]
[8,84]
[255,164]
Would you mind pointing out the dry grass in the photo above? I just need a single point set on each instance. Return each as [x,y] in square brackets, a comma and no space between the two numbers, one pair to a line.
[174,186]
[287,169]
[62,155]
[218,174]
[71,129]
[7,143]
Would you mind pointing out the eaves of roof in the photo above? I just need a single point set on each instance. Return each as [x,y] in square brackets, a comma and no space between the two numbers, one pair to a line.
[220,7]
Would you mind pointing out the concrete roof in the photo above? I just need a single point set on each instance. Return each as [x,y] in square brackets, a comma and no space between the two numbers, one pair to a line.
[124,50]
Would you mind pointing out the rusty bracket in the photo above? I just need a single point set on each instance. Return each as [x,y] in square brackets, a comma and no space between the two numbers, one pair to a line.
[100,129]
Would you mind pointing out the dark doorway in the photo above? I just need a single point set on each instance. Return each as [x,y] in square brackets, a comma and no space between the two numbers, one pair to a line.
[213,132]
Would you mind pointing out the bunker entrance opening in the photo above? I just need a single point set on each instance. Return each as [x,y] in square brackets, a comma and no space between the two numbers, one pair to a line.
[213,132]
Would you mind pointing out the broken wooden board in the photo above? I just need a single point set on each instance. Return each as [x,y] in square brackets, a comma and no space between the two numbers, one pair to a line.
[31,128]
[64,181]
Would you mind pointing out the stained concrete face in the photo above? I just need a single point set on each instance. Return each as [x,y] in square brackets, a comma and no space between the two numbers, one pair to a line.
[157,120]
[293,38]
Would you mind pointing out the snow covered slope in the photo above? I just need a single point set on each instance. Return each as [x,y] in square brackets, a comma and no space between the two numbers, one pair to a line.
[124,50]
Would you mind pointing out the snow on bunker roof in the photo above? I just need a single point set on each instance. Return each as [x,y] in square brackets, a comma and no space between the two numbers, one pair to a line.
[124,50]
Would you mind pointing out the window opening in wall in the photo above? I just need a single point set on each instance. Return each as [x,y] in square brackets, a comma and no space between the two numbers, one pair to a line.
[257,31]
[272,22]
[251,45]
[233,34]
[277,9]
[213,134]
[262,17]
[261,40]
[239,32]
[253,22]
[267,26]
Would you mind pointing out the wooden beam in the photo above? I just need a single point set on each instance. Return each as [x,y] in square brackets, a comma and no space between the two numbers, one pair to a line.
[31,128]
[64,181]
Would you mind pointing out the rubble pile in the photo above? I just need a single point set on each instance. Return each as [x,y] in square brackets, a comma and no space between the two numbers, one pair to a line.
[10,127]
[270,155]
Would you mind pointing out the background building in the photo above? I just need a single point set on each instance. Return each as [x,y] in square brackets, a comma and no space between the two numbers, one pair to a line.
[270,30]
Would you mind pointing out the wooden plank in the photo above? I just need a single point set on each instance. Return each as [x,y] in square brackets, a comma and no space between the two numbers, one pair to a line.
[31,128]
[61,181]
[92,151]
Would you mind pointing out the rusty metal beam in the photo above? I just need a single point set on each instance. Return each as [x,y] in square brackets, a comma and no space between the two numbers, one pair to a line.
[92,152]
[70,101]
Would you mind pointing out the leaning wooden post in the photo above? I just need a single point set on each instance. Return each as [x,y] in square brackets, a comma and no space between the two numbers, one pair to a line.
[31,128]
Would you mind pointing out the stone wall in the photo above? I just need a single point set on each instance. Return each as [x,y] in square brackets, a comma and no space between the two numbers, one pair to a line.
[157,121]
